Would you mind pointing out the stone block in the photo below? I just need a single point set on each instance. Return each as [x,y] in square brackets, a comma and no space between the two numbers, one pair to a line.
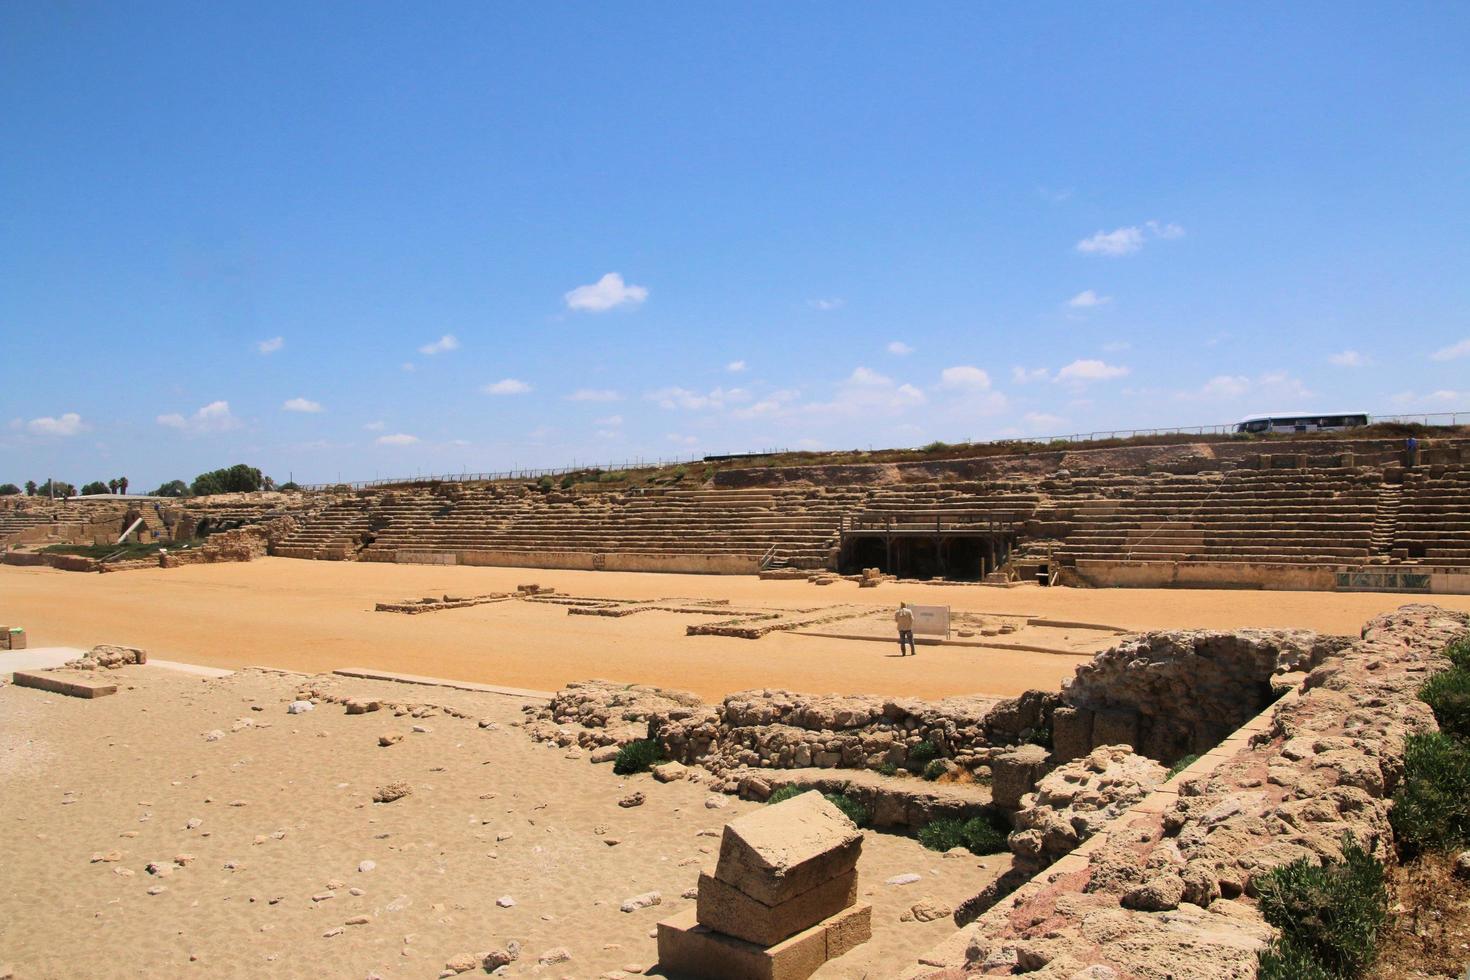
[686,948]
[725,908]
[849,929]
[1115,728]
[1014,774]
[778,852]
[70,685]
[1071,733]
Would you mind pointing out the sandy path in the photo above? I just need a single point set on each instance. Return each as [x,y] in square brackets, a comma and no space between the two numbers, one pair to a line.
[313,616]
[285,820]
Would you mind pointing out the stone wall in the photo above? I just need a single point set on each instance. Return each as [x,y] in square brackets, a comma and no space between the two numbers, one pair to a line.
[1167,889]
[1174,693]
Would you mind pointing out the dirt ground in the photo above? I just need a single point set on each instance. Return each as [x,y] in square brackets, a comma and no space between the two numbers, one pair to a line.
[262,821]
[316,616]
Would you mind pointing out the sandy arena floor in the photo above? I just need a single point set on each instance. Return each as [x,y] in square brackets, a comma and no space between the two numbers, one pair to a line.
[273,881]
[317,616]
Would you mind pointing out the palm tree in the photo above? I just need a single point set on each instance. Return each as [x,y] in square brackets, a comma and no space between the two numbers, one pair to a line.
[122,484]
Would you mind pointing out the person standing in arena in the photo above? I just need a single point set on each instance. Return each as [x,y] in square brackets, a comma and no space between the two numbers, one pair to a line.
[904,618]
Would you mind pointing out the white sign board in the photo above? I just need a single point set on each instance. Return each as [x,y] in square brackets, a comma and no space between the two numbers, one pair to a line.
[931,620]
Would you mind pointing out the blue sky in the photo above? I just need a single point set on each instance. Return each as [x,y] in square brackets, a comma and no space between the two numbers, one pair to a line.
[359,240]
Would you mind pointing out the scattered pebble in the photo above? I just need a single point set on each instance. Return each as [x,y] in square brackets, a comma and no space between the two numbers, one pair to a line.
[907,879]
[505,902]
[366,866]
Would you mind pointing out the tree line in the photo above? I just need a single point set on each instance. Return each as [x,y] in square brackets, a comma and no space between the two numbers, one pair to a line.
[231,479]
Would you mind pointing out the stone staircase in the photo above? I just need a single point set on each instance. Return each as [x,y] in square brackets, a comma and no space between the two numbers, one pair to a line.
[1386,521]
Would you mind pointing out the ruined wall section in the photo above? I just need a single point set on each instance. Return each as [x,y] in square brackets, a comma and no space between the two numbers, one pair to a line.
[1174,693]
[1168,888]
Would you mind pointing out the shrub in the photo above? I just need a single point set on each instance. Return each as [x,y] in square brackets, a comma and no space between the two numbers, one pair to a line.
[979,835]
[934,769]
[1448,693]
[936,447]
[850,807]
[545,483]
[96,486]
[1329,914]
[1285,960]
[1181,765]
[888,769]
[1431,810]
[1040,736]
[922,753]
[637,756]
[9,490]
[1459,653]
[568,481]
[289,485]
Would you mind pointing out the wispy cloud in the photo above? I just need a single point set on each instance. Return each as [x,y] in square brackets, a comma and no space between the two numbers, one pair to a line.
[214,417]
[270,346]
[65,425]
[735,367]
[1127,240]
[965,376]
[301,405]
[609,421]
[693,401]
[1026,376]
[1453,351]
[397,439]
[507,386]
[378,426]
[1087,299]
[1348,359]
[828,304]
[1084,369]
[594,395]
[443,345]
[607,293]
[899,348]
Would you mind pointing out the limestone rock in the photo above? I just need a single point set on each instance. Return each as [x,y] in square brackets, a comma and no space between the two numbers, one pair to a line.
[780,851]
[391,792]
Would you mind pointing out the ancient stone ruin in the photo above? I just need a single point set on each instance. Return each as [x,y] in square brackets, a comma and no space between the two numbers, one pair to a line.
[780,901]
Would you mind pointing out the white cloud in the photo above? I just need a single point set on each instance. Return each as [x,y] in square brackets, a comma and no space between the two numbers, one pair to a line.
[1127,240]
[834,303]
[1088,298]
[594,395]
[301,405]
[1121,241]
[1165,230]
[609,422]
[965,376]
[773,404]
[735,367]
[443,345]
[507,386]
[69,424]
[270,346]
[1041,420]
[683,440]
[409,366]
[397,439]
[214,417]
[693,401]
[1113,346]
[864,376]
[1090,370]
[1453,351]
[375,426]
[1225,386]
[605,294]
[1026,376]
[1348,359]
[899,348]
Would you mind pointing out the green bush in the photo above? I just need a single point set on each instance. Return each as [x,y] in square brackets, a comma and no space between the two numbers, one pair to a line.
[568,481]
[979,835]
[1285,960]
[854,810]
[1431,810]
[888,769]
[936,447]
[1181,765]
[922,753]
[637,756]
[1040,736]
[1448,693]
[234,479]
[545,483]
[1459,653]
[1329,914]
[934,769]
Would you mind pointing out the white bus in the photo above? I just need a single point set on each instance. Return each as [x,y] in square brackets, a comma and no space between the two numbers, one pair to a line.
[1302,423]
